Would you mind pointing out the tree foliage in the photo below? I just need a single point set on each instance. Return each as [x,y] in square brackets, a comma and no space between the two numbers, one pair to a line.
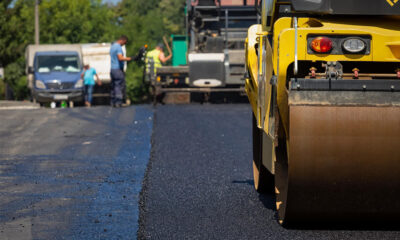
[84,21]
[75,21]
[16,31]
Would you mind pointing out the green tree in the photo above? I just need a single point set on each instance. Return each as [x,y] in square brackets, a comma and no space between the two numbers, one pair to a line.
[73,21]
[16,31]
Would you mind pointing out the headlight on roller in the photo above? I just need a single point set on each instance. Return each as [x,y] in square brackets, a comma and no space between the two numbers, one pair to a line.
[40,85]
[354,45]
[79,83]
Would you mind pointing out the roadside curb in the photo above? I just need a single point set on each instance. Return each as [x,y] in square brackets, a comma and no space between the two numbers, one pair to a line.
[17,105]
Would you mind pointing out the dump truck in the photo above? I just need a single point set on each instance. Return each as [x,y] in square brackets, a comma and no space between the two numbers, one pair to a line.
[54,70]
[210,57]
[323,80]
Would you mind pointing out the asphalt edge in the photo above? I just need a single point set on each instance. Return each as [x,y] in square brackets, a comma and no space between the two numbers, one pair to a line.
[141,233]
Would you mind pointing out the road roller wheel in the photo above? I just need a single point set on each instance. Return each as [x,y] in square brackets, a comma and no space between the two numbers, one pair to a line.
[263,179]
[338,165]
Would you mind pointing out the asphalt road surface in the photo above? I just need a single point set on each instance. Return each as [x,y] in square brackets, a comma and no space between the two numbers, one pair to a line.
[72,173]
[199,181]
[81,174]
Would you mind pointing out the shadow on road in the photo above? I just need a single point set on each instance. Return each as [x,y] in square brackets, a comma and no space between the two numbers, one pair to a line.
[268,200]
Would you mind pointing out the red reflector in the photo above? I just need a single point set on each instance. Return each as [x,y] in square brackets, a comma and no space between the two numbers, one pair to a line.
[321,45]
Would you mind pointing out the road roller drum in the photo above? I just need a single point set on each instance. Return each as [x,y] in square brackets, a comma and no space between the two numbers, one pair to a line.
[343,159]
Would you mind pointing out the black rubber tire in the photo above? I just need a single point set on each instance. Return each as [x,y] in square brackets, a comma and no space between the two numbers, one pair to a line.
[263,179]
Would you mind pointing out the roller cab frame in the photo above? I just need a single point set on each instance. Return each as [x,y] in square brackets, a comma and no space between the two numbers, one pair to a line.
[324,86]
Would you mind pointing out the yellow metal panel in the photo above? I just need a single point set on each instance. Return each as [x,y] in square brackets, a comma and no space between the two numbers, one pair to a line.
[261,106]
[384,35]
[251,95]
[251,85]
[382,32]
[385,45]
[268,87]
[279,25]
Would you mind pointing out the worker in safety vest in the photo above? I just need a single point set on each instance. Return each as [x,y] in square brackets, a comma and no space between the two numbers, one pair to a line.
[157,57]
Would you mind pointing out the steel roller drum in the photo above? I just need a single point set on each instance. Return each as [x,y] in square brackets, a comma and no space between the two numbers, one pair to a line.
[343,161]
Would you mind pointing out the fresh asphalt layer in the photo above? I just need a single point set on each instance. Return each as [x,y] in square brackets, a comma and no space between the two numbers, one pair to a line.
[199,181]
[72,173]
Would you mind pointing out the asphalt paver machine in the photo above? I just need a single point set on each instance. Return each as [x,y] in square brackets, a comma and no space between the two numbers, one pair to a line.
[324,85]
[213,59]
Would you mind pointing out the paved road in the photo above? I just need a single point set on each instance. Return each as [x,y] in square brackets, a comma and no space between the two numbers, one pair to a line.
[77,174]
[199,181]
[72,173]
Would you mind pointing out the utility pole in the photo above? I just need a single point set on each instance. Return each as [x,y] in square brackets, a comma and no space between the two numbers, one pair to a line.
[37,41]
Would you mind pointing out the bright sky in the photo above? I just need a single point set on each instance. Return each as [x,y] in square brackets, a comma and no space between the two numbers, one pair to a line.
[111,1]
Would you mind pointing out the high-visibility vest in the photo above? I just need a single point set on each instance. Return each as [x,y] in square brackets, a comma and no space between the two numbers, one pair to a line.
[153,54]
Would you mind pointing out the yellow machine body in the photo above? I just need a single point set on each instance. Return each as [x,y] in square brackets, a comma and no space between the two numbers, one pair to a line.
[385,48]
[332,140]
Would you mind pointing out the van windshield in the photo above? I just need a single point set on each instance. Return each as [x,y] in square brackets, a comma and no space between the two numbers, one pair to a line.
[57,63]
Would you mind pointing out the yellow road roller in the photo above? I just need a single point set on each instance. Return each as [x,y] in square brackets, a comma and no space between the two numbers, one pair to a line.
[323,80]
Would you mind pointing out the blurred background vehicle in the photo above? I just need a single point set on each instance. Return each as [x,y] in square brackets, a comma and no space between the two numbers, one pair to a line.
[54,71]
[210,56]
